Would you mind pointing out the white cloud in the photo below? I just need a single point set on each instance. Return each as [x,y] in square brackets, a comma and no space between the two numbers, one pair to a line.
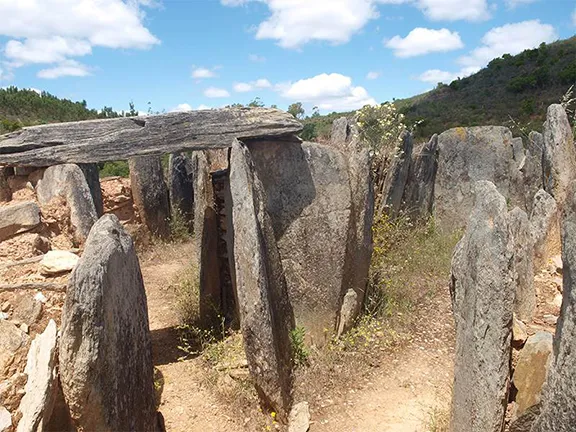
[202,72]
[203,107]
[256,58]
[454,10]
[54,31]
[509,39]
[372,75]
[515,3]
[184,107]
[261,83]
[330,92]
[422,41]
[66,68]
[293,23]
[435,76]
[215,92]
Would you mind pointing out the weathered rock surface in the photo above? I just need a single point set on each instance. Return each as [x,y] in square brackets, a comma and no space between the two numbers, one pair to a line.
[299,420]
[468,155]
[559,155]
[546,228]
[36,405]
[522,236]
[92,175]
[58,261]
[482,289]
[68,181]
[127,137]
[531,370]
[5,420]
[27,310]
[105,352]
[419,191]
[12,343]
[397,176]
[308,192]
[18,218]
[181,187]
[265,311]
[5,191]
[519,333]
[558,407]
[150,194]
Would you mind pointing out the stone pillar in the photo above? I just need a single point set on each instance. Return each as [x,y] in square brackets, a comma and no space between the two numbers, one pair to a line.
[181,187]
[105,351]
[92,175]
[150,194]
[483,291]
[397,176]
[5,191]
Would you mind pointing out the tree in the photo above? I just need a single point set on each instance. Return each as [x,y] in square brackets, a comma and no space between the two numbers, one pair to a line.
[315,112]
[296,110]
[256,103]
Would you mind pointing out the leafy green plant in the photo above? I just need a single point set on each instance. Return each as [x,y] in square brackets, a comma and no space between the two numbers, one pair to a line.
[114,169]
[179,226]
[300,352]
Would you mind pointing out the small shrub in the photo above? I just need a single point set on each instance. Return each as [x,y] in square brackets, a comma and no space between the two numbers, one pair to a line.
[187,288]
[179,226]
[114,169]
[300,352]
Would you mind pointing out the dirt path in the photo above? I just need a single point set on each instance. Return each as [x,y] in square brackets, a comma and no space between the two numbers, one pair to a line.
[186,404]
[398,397]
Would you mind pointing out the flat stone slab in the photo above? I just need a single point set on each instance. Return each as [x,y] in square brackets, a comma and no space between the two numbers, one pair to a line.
[123,138]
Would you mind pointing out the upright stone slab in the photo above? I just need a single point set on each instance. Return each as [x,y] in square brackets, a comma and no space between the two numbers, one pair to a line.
[265,312]
[468,155]
[181,187]
[68,181]
[397,176]
[92,175]
[522,236]
[105,350]
[150,194]
[545,228]
[5,191]
[558,412]
[559,157]
[419,192]
[206,235]
[308,193]
[41,388]
[482,288]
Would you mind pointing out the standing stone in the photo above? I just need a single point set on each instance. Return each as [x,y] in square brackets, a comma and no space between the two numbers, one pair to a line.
[343,130]
[206,235]
[535,143]
[531,370]
[482,289]
[69,182]
[37,404]
[468,155]
[105,354]
[558,412]
[5,191]
[18,218]
[92,175]
[545,228]
[522,236]
[308,192]
[419,191]
[397,176]
[265,312]
[559,157]
[181,187]
[150,194]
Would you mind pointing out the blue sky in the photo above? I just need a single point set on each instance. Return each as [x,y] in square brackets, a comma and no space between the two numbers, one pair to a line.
[190,54]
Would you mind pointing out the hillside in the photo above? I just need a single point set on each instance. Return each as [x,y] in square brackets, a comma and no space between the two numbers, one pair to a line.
[520,87]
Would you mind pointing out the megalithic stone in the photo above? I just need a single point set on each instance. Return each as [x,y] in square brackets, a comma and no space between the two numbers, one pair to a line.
[181,187]
[92,175]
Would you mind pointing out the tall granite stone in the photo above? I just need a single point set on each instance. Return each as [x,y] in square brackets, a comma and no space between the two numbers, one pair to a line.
[105,351]
[68,182]
[150,194]
[397,176]
[558,411]
[181,186]
[545,228]
[92,175]
[5,191]
[523,240]
[419,191]
[265,312]
[559,154]
[482,288]
[468,155]
[308,192]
